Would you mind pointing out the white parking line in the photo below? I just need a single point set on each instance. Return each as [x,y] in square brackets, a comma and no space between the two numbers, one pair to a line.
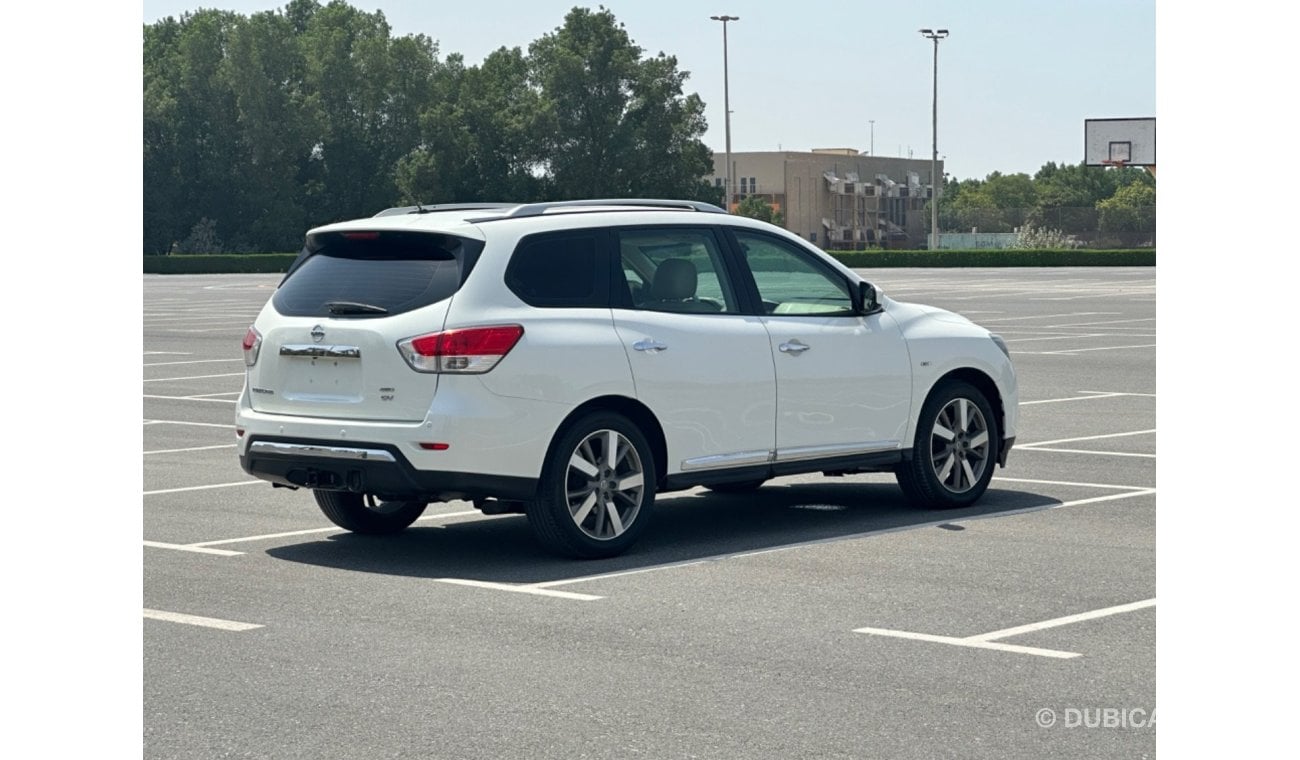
[1057,337]
[520,589]
[1069,398]
[1084,438]
[989,640]
[193,398]
[1089,451]
[194,549]
[1069,483]
[195,361]
[970,643]
[204,488]
[206,622]
[1054,622]
[191,448]
[1053,316]
[186,422]
[1109,322]
[855,536]
[192,377]
[246,539]
[1081,350]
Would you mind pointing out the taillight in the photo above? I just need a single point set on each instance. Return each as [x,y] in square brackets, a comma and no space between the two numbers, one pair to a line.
[469,351]
[252,345]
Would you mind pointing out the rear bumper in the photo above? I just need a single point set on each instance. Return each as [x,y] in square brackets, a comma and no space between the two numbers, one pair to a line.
[375,468]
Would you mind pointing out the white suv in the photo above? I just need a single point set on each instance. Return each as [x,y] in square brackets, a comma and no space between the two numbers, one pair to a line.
[571,360]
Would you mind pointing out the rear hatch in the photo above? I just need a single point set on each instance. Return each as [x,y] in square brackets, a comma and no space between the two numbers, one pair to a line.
[330,332]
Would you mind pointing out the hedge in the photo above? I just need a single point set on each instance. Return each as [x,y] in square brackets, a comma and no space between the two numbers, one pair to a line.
[226,263]
[1001,257]
[1008,257]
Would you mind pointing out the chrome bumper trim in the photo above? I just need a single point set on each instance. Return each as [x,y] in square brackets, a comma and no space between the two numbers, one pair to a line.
[324,452]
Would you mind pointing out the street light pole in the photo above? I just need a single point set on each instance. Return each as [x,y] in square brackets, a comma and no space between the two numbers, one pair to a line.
[935,184]
[726,101]
[872,150]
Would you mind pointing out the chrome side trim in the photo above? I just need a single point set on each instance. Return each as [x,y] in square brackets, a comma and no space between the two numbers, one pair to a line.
[325,452]
[738,459]
[799,453]
[332,352]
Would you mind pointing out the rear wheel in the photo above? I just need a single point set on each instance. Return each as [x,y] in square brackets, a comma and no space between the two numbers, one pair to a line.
[597,490]
[366,514]
[954,452]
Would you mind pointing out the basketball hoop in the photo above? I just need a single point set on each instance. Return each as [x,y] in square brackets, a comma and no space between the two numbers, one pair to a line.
[1119,163]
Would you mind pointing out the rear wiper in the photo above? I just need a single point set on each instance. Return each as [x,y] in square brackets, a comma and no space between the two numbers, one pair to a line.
[352,307]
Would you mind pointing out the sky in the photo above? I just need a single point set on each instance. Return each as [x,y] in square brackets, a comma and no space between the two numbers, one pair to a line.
[1017,78]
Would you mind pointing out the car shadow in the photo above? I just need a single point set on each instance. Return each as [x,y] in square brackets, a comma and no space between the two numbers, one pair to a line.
[685,527]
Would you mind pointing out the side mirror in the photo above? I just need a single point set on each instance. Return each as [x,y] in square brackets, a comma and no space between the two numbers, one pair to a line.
[868,301]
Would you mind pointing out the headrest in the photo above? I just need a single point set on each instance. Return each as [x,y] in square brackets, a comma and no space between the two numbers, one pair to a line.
[675,280]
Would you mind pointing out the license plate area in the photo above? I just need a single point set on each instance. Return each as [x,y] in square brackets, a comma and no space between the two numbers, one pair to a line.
[329,379]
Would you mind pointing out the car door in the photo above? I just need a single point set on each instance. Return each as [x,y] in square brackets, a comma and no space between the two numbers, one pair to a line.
[843,381]
[699,362]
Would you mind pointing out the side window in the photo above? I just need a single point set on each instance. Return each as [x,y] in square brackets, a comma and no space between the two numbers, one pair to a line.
[791,281]
[558,271]
[678,270]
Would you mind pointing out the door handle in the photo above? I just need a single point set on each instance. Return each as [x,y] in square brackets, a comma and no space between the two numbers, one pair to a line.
[653,346]
[795,347]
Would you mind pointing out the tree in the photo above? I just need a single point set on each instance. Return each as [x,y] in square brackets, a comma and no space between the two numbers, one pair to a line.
[615,124]
[1131,209]
[997,204]
[756,207]
[481,139]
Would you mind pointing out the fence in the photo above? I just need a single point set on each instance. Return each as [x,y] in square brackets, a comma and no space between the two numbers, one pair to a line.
[1089,227]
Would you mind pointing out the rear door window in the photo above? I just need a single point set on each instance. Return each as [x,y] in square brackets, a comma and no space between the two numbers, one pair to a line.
[675,269]
[369,274]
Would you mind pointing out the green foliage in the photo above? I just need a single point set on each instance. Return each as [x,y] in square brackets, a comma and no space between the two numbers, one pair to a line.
[1010,257]
[757,207]
[269,124]
[1131,209]
[615,124]
[230,263]
[1063,197]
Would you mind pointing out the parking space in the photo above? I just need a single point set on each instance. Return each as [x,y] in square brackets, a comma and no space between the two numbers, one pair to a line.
[816,617]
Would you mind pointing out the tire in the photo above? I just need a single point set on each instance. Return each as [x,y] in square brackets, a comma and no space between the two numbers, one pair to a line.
[365,514]
[585,507]
[744,486]
[953,457]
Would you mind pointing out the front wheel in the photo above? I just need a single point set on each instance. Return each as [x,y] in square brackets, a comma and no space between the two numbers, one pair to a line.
[597,490]
[954,451]
[366,514]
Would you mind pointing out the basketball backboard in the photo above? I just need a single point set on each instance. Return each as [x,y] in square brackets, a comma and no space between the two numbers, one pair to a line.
[1123,142]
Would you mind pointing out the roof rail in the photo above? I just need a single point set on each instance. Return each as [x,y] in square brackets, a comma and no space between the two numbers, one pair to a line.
[537,209]
[432,207]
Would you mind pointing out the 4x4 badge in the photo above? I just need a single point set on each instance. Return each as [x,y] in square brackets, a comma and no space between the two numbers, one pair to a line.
[318,333]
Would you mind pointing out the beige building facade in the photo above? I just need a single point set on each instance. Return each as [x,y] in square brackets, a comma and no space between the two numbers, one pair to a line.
[837,197]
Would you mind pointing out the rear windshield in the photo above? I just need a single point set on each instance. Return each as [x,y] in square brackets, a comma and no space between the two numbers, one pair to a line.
[369,274]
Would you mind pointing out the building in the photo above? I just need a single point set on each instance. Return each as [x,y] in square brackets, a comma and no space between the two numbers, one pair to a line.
[837,197]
